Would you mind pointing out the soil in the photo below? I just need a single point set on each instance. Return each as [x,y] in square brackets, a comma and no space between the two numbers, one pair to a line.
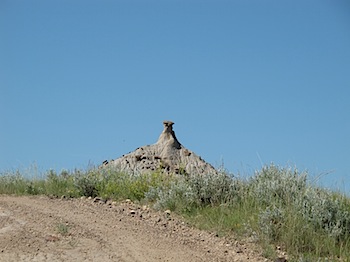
[47,229]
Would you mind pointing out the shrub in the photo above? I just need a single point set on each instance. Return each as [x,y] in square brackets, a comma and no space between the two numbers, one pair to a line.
[274,185]
[60,184]
[212,189]
[302,217]
[87,183]
[271,221]
[175,196]
[193,191]
[327,211]
[13,183]
[112,183]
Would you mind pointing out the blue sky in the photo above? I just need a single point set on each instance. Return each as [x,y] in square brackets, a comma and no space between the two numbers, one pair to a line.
[247,83]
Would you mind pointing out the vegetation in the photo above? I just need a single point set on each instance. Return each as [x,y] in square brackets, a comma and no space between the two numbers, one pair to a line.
[62,229]
[274,207]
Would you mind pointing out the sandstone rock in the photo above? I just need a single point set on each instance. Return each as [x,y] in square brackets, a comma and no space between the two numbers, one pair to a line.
[281,259]
[167,155]
[99,200]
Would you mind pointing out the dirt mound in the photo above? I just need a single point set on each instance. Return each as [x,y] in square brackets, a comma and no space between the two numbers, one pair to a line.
[167,155]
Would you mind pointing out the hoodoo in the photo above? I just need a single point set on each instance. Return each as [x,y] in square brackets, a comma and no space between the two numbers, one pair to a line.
[167,155]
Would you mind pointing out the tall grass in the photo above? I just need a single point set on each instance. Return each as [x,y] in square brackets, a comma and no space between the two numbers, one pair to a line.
[274,207]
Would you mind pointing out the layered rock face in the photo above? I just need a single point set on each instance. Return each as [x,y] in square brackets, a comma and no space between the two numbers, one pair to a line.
[167,155]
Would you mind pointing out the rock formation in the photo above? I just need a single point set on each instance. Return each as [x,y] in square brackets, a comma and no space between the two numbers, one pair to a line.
[167,155]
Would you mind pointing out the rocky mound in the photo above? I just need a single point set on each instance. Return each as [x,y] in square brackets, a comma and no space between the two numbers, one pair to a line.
[167,155]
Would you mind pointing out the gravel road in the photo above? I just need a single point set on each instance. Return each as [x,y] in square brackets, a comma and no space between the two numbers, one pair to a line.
[45,229]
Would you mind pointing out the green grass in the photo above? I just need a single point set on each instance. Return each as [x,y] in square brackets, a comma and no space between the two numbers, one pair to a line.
[62,229]
[222,220]
[274,207]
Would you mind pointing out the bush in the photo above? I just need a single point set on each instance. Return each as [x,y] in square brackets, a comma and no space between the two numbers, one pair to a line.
[177,195]
[212,189]
[327,211]
[193,191]
[87,183]
[111,183]
[13,183]
[271,221]
[274,185]
[59,185]
[302,217]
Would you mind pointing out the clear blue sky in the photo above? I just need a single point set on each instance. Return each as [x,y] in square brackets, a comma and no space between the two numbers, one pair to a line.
[246,82]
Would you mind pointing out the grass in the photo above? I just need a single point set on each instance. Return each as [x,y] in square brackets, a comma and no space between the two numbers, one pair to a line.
[274,207]
[62,229]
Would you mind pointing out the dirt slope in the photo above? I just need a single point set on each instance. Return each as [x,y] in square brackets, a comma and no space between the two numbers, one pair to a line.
[44,229]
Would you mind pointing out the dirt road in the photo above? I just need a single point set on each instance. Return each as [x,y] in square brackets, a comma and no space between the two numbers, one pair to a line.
[44,229]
